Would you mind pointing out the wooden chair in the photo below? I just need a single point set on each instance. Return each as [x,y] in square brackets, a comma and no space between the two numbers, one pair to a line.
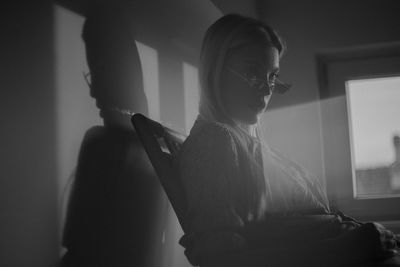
[160,144]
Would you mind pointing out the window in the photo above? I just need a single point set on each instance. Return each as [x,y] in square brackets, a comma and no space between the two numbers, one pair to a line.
[374,109]
[360,92]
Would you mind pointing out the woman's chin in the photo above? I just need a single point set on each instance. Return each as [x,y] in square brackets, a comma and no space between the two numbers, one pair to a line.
[248,118]
[255,120]
[251,119]
[254,117]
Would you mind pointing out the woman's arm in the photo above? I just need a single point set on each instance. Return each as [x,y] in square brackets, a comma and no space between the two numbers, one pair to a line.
[208,168]
[357,247]
[330,236]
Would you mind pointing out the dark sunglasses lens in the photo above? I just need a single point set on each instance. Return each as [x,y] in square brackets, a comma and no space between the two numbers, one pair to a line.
[282,88]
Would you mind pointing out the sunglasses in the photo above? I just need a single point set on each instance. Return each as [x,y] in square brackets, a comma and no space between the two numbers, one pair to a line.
[274,85]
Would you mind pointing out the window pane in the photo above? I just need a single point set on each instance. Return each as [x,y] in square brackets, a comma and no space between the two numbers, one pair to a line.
[374,124]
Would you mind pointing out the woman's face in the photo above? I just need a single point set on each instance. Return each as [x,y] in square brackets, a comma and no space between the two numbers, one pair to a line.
[241,101]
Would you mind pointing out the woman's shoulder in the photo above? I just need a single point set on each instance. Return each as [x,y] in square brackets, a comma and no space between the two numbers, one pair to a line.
[206,133]
[208,157]
[208,140]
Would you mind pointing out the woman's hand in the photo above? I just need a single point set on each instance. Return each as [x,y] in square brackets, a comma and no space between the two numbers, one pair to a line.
[370,240]
[389,241]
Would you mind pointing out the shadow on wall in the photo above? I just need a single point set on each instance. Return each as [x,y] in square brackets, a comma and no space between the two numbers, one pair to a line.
[117,212]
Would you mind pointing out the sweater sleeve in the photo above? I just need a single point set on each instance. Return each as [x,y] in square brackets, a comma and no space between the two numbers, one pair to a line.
[208,169]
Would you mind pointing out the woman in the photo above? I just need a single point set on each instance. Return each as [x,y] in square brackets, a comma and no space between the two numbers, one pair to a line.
[242,195]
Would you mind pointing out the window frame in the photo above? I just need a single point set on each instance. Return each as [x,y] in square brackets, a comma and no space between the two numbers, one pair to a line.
[334,68]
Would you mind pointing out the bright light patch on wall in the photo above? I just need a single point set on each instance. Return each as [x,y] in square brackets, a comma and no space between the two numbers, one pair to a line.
[191,94]
[76,110]
[374,121]
[149,60]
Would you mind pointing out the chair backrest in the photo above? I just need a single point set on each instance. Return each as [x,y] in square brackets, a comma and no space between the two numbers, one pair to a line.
[160,144]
